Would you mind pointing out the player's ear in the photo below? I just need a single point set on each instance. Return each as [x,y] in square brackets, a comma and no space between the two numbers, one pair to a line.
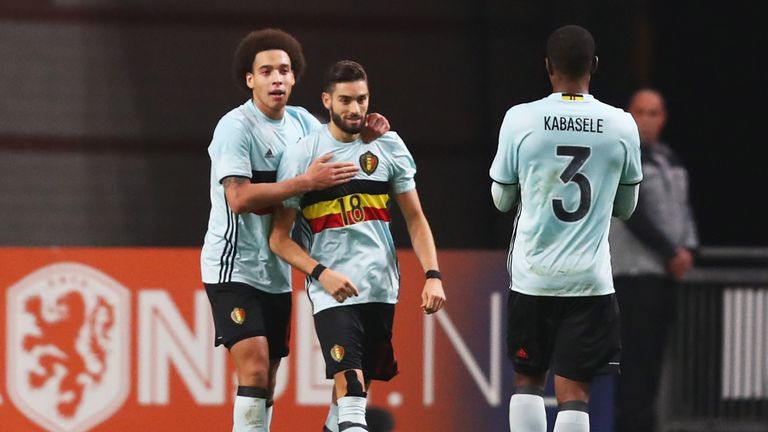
[326,100]
[548,67]
[593,68]
[249,80]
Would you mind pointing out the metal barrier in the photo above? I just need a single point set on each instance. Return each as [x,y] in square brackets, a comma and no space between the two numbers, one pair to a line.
[716,375]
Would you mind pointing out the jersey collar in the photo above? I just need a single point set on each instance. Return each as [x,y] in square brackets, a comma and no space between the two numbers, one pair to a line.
[576,97]
[263,117]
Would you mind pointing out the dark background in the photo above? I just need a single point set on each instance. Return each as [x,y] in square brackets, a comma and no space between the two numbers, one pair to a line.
[107,107]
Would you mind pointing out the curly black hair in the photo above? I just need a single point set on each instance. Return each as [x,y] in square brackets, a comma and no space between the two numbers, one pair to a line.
[264,40]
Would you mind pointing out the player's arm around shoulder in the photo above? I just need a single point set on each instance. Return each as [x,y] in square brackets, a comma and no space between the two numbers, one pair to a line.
[244,196]
[320,172]
[375,126]
[433,295]
[389,141]
[293,179]
[230,152]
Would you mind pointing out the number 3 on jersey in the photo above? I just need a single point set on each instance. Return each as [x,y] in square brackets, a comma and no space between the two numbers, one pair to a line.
[571,173]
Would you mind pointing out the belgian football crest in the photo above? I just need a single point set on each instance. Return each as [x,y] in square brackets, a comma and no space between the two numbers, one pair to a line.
[238,315]
[337,353]
[369,162]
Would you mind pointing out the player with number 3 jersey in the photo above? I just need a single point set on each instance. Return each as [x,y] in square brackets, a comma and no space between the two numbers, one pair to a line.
[571,162]
[568,153]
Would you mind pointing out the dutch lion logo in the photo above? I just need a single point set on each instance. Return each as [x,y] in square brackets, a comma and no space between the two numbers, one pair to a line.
[68,339]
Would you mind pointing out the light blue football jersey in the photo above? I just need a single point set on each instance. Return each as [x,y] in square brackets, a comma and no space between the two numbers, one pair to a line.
[346,227]
[568,153]
[236,247]
[295,124]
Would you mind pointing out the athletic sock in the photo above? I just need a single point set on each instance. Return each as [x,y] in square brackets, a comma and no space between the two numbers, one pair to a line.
[352,414]
[250,411]
[527,413]
[572,417]
[332,421]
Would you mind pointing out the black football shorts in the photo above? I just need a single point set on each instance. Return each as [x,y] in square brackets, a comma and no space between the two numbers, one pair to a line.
[358,337]
[577,337]
[241,311]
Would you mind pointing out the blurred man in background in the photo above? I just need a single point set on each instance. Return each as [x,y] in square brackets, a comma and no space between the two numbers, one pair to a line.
[652,252]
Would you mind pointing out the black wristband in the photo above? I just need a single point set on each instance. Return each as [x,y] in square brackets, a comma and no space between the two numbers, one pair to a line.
[317,271]
[433,274]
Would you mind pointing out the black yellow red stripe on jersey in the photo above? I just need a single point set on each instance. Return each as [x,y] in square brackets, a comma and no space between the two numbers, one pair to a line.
[347,204]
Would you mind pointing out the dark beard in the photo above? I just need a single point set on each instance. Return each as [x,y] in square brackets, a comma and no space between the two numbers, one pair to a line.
[339,122]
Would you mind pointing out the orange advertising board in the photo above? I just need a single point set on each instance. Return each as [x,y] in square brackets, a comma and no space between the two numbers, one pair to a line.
[121,339]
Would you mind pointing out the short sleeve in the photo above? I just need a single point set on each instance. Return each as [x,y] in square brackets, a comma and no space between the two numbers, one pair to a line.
[632,172]
[294,162]
[504,167]
[404,167]
[230,150]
